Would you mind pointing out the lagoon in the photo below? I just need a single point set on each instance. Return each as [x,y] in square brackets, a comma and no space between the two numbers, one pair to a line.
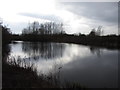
[92,67]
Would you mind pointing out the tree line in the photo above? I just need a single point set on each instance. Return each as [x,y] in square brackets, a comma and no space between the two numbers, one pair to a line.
[49,28]
[54,32]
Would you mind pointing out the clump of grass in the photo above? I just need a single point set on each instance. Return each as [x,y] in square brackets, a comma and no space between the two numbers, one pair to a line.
[17,73]
[68,84]
[21,74]
[20,62]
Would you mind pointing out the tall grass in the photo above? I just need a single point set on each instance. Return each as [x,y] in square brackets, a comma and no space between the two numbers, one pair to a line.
[19,73]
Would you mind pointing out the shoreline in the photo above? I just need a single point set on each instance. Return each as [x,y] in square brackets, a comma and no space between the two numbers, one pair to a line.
[109,42]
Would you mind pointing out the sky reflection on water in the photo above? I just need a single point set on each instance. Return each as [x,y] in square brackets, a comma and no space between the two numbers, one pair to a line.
[91,66]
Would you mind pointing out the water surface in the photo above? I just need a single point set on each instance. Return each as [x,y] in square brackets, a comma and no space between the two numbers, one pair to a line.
[90,66]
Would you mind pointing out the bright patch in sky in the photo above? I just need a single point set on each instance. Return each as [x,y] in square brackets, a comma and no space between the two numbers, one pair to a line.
[77,17]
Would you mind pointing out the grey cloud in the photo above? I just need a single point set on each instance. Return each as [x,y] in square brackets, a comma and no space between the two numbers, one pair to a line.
[101,11]
[41,16]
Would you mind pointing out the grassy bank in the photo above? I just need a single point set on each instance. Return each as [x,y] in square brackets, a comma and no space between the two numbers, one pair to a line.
[17,76]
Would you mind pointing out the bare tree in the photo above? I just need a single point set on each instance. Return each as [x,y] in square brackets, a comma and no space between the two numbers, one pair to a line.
[44,28]
[92,33]
[99,31]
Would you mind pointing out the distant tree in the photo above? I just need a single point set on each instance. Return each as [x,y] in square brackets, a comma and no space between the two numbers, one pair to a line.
[35,27]
[92,33]
[81,34]
[99,31]
[44,28]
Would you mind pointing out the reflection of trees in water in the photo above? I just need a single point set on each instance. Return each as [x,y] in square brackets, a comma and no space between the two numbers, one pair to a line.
[95,50]
[43,49]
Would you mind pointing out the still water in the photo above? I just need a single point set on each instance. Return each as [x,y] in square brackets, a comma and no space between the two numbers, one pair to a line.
[90,66]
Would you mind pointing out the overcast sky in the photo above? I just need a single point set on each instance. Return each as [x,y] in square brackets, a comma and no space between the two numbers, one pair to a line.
[77,17]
